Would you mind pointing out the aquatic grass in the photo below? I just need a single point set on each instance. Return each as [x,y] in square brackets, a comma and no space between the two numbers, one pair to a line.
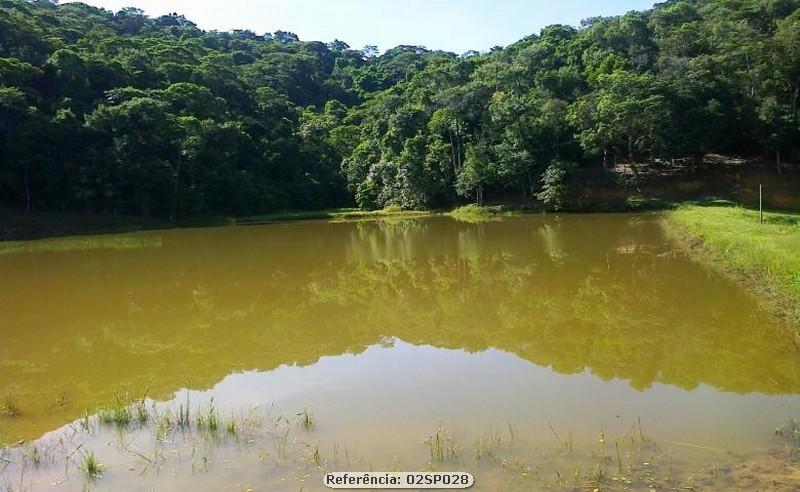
[442,446]
[154,462]
[184,417]
[307,421]
[91,467]
[62,400]
[599,476]
[246,425]
[118,414]
[199,460]
[231,428]
[512,433]
[208,420]
[791,438]
[84,421]
[162,424]
[566,445]
[642,437]
[32,454]
[281,442]
[9,407]
[559,472]
[489,444]
[142,416]
[315,457]
[123,412]
[140,409]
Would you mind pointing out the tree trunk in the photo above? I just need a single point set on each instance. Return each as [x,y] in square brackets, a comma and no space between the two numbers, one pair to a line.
[479,195]
[778,159]
[634,169]
[175,191]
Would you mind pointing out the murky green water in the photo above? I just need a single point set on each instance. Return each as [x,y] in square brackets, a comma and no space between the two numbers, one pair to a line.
[555,330]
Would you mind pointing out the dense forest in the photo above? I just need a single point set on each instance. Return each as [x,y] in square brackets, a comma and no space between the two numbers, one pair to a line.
[121,113]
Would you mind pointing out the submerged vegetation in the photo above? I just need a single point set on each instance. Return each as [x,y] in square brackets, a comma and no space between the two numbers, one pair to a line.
[763,255]
[121,114]
[791,436]
[307,421]
[442,446]
[8,407]
[504,456]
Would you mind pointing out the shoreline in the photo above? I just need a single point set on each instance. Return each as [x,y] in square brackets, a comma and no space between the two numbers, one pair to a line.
[20,226]
[729,239]
[31,227]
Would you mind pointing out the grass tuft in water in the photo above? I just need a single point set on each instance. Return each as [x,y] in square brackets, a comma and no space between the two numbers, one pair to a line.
[307,421]
[92,468]
[567,445]
[140,409]
[791,438]
[85,421]
[598,477]
[208,420]
[62,401]
[162,426]
[184,418]
[231,428]
[442,446]
[118,414]
[34,455]
[124,411]
[8,407]
[488,445]
[315,457]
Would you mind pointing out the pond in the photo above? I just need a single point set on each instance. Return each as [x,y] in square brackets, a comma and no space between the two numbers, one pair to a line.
[533,350]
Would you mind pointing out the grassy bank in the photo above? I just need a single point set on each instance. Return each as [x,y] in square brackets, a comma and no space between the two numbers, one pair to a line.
[765,256]
[475,213]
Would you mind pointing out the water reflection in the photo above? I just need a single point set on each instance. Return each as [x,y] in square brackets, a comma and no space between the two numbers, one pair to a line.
[596,296]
